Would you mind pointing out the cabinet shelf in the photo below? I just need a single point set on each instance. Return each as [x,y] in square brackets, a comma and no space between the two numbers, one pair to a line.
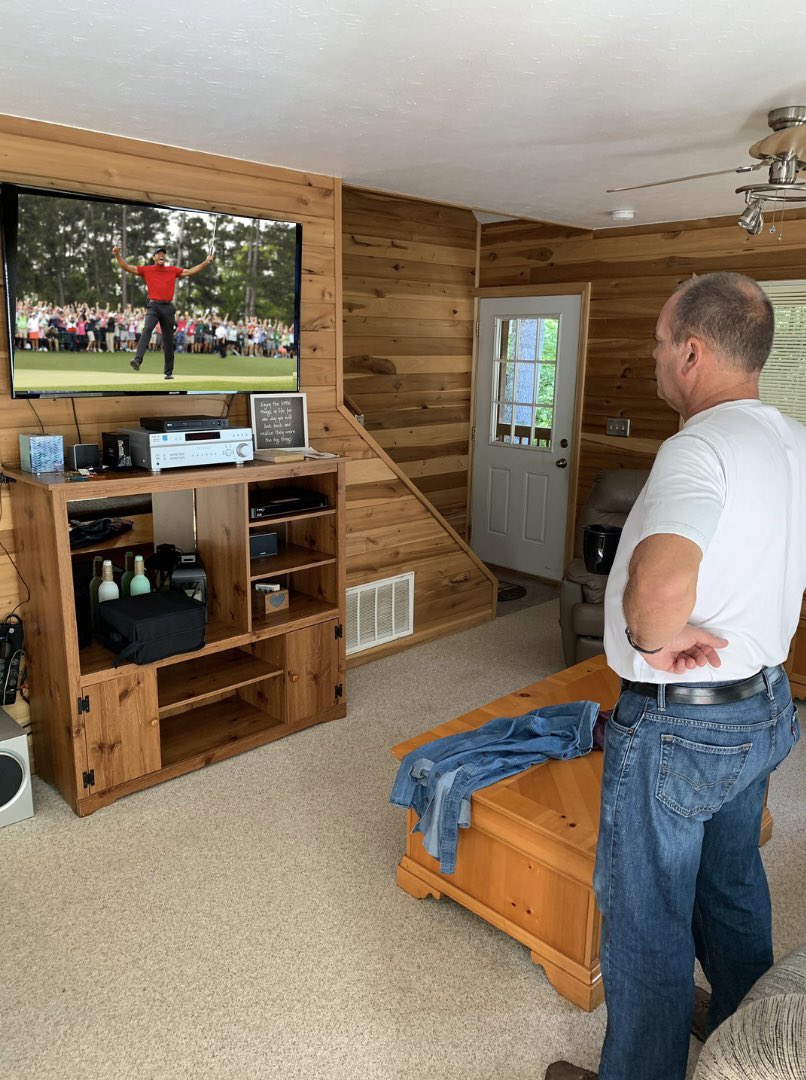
[97,660]
[193,682]
[140,535]
[304,516]
[289,558]
[301,611]
[206,729]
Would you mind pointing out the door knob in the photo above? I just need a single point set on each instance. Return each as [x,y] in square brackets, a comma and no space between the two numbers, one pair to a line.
[561,463]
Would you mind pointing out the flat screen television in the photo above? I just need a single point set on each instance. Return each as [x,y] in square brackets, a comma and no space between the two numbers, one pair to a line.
[76,312]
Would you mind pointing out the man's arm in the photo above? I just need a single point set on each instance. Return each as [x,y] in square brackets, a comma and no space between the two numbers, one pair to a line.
[195,269]
[122,262]
[658,601]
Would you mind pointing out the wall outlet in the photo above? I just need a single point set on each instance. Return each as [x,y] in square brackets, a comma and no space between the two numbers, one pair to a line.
[618,425]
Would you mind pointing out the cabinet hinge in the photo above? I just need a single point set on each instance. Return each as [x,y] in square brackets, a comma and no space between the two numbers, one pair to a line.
[83,704]
[339,690]
[89,778]
[477,329]
[338,630]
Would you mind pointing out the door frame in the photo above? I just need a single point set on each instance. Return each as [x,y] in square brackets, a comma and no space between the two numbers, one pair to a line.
[583,290]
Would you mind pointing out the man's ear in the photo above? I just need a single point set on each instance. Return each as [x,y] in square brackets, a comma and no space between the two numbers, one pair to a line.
[692,354]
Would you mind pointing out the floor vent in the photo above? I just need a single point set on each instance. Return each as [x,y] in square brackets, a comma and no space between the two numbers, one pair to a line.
[379,612]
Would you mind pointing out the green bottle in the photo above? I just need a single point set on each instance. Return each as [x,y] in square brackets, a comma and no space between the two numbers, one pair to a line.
[139,583]
[126,580]
[95,584]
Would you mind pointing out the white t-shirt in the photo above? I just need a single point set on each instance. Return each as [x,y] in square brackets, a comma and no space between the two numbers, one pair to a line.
[733,481]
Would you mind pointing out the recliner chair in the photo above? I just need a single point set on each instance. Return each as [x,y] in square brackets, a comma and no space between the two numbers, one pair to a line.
[582,594]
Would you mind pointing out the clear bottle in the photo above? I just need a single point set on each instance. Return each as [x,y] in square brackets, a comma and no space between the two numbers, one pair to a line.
[107,590]
[139,583]
[126,580]
[95,583]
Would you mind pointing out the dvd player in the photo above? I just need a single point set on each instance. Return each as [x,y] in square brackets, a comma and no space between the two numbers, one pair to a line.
[184,423]
[277,502]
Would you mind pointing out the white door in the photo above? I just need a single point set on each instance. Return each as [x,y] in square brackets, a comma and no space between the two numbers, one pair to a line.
[527,365]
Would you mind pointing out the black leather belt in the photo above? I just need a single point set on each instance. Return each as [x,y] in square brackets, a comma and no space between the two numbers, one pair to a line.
[706,695]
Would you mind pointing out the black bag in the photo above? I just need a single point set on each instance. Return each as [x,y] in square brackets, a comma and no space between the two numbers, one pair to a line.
[151,627]
[84,533]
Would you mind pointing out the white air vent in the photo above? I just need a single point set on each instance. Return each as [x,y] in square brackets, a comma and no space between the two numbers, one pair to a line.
[379,612]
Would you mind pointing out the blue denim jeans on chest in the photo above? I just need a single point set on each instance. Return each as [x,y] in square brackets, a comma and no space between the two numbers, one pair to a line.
[678,870]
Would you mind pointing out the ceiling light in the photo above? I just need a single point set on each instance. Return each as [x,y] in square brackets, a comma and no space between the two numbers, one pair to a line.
[622,215]
[752,219]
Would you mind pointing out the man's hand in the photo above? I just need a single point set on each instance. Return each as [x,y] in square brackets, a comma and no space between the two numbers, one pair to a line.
[116,250]
[209,258]
[692,648]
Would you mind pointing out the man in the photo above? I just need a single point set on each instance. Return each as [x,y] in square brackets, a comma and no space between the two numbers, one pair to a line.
[701,605]
[160,281]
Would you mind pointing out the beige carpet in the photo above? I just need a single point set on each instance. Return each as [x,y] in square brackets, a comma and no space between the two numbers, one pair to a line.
[244,921]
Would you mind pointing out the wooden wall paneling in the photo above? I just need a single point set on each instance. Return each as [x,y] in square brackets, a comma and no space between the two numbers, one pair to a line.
[408,343]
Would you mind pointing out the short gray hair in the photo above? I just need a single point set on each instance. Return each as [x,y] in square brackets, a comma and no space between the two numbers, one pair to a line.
[731,313]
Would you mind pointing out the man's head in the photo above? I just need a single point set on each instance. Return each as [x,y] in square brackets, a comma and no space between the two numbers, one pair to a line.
[159,256]
[717,327]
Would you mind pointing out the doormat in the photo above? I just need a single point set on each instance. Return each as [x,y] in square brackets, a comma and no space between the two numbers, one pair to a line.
[509,591]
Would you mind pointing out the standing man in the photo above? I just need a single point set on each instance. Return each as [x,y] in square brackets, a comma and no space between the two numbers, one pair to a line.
[701,605]
[161,282]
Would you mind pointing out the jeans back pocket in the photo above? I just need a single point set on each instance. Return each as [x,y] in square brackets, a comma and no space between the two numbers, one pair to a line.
[695,779]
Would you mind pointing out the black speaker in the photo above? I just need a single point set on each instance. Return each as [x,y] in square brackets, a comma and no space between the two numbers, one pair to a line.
[262,544]
[84,456]
[116,450]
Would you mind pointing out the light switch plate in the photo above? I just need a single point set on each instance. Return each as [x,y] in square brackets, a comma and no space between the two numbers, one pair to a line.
[618,425]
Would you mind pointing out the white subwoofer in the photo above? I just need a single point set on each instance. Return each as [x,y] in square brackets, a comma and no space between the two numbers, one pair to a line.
[16,800]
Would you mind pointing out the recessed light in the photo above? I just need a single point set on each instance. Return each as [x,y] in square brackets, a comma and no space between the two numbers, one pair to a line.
[622,215]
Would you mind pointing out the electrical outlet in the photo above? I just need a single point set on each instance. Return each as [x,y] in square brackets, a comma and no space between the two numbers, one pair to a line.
[618,425]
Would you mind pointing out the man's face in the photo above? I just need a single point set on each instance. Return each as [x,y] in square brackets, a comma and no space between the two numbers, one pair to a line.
[668,357]
[160,258]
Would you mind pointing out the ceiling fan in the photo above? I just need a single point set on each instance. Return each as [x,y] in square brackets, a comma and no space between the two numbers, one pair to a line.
[784,155]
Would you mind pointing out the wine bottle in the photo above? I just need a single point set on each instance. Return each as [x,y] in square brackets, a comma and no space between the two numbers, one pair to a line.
[107,590]
[139,583]
[97,563]
[126,580]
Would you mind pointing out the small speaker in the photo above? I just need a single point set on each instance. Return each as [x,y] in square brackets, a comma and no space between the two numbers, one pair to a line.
[262,544]
[16,800]
[85,455]
[117,452]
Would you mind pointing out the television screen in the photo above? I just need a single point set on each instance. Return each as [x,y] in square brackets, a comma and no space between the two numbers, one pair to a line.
[108,297]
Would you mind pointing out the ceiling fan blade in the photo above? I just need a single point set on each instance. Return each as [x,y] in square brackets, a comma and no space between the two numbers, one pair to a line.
[680,179]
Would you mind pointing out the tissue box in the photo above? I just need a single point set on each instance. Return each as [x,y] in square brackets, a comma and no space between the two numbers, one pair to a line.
[264,603]
[42,453]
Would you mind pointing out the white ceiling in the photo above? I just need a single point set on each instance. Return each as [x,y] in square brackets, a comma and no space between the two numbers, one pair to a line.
[522,108]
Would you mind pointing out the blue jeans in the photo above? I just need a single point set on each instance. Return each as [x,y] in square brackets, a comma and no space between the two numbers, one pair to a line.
[678,871]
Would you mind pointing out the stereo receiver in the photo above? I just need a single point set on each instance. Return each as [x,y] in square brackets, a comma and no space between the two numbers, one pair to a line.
[176,449]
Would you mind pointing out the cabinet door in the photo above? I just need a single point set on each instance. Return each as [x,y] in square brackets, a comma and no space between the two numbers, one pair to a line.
[121,728]
[312,667]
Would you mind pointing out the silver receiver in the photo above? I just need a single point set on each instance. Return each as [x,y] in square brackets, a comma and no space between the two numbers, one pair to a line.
[156,450]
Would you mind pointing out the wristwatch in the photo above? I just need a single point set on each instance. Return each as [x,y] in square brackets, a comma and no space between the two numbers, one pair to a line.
[647,652]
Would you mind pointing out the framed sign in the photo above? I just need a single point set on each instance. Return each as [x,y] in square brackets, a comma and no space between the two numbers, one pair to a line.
[279,421]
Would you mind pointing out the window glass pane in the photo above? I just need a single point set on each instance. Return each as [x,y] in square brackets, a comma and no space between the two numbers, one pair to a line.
[528,331]
[548,345]
[525,382]
[545,394]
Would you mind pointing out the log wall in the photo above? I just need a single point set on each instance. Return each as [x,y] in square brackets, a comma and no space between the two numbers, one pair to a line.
[409,273]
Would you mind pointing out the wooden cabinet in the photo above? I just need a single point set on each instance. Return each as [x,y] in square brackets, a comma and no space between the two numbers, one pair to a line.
[796,664]
[101,732]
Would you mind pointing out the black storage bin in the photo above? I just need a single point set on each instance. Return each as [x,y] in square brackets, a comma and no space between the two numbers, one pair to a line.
[150,627]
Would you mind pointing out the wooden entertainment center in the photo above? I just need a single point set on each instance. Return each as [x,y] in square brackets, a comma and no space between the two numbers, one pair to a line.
[102,732]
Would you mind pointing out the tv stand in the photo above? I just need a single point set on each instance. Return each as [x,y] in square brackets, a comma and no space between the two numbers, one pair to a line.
[102,732]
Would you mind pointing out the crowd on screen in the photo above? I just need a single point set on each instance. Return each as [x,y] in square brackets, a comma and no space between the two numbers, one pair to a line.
[81,328]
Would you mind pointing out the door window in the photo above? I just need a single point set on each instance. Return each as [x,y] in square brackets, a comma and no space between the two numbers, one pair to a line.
[524,381]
